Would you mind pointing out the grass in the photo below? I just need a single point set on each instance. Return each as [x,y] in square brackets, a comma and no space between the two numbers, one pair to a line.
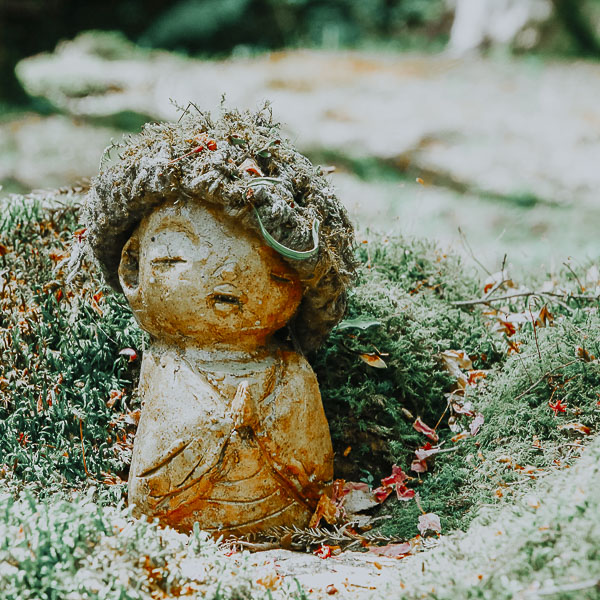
[60,358]
[542,545]
[81,547]
[68,412]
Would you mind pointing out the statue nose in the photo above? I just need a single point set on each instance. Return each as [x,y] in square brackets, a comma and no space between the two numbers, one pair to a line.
[228,272]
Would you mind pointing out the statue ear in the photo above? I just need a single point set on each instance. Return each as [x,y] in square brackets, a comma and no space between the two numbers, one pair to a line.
[129,269]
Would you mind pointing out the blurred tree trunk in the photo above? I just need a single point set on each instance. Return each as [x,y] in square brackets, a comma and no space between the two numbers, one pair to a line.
[572,15]
[31,26]
[10,88]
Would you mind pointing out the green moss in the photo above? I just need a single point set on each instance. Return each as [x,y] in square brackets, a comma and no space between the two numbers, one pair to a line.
[60,358]
[60,362]
[521,430]
[543,544]
[407,286]
[81,548]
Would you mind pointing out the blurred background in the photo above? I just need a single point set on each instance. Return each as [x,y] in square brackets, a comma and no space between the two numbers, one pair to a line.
[472,122]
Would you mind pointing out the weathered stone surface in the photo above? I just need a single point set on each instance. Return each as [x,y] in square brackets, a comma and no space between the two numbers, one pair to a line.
[233,433]
[210,249]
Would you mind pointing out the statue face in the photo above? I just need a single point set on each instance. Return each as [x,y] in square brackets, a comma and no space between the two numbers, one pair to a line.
[192,273]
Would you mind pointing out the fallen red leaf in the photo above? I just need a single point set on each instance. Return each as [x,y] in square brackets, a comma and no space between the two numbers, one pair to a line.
[381,493]
[429,522]
[505,327]
[579,427]
[558,406]
[455,361]
[404,493]
[356,485]
[462,409]
[419,426]
[80,234]
[323,551]
[475,375]
[396,479]
[133,417]
[250,166]
[426,451]
[583,354]
[544,317]
[114,396]
[500,277]
[130,353]
[418,466]
[397,476]
[373,360]
[326,509]
[513,347]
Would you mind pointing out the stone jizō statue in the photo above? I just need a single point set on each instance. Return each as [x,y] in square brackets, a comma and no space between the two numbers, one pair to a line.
[235,257]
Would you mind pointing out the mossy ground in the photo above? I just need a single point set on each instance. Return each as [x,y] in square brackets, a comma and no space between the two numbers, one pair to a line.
[68,405]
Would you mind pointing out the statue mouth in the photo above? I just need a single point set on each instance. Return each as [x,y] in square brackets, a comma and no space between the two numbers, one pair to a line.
[226,297]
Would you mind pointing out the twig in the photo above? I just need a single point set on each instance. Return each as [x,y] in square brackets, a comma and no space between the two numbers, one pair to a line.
[440,419]
[82,450]
[576,586]
[560,302]
[498,285]
[534,325]
[574,275]
[444,450]
[486,300]
[253,546]
[523,480]
[534,385]
[418,501]
[470,250]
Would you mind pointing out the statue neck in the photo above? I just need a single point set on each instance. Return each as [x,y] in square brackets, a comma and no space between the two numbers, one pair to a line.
[221,353]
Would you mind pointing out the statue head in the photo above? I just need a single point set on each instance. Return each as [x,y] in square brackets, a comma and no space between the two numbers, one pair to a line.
[221,230]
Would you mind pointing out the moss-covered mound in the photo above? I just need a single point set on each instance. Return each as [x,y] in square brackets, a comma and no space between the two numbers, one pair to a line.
[533,379]
[65,389]
[410,351]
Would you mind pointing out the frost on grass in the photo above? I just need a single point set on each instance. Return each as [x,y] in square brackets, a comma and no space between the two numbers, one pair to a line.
[79,548]
[543,545]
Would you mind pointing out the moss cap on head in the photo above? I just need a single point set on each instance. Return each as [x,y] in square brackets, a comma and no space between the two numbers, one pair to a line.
[225,159]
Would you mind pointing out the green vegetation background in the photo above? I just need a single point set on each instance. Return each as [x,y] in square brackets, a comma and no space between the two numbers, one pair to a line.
[68,405]
[218,27]
[67,396]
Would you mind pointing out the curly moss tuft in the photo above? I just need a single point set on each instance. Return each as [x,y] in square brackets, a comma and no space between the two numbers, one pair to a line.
[165,163]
